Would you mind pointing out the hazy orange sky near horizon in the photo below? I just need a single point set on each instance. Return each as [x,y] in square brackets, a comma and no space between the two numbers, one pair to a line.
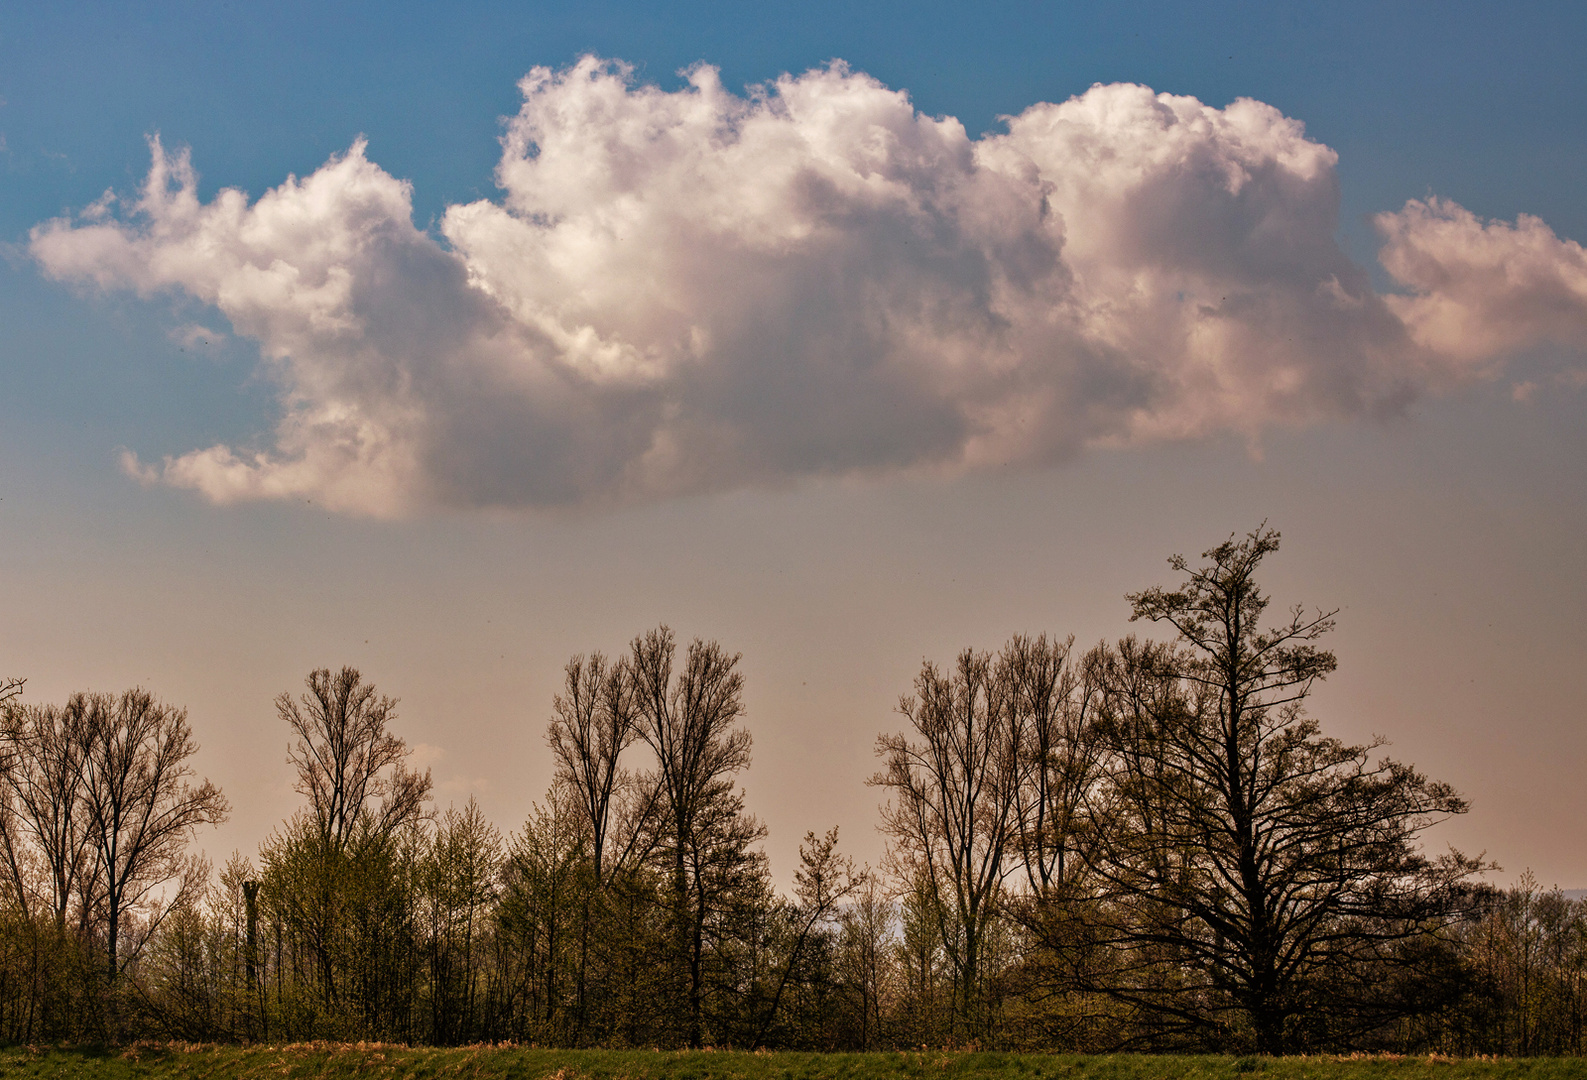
[1457,637]
[959,338]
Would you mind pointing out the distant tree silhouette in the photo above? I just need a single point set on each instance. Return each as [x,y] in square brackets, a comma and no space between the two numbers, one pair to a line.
[1148,845]
[342,879]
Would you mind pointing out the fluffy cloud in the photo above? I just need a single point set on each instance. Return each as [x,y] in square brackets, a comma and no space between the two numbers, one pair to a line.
[1483,289]
[694,290]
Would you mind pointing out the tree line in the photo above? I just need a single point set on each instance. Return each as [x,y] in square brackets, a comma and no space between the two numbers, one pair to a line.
[1148,844]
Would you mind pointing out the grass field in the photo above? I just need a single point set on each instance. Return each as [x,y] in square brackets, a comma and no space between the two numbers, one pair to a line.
[335,1061]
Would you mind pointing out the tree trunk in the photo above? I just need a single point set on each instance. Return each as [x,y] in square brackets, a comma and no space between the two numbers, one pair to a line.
[696,970]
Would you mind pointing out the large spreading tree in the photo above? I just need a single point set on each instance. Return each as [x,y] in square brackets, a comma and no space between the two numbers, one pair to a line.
[1262,883]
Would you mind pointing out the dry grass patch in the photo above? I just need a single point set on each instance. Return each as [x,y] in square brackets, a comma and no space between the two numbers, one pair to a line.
[394,1061]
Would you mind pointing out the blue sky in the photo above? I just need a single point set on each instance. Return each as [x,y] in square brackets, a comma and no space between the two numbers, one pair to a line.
[1451,529]
[1477,101]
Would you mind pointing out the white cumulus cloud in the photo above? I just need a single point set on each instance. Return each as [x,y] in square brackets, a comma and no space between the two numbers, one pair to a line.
[694,290]
[1482,289]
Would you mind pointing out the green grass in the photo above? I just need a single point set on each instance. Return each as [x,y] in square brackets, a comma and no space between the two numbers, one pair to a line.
[337,1061]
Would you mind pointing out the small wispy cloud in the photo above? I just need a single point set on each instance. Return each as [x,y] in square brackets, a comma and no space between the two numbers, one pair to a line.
[197,338]
[459,785]
[424,755]
[1567,380]
[694,290]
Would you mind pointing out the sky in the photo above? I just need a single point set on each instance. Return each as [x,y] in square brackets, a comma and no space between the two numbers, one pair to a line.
[451,341]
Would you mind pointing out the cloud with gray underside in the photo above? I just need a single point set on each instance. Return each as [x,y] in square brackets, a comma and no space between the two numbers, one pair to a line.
[694,290]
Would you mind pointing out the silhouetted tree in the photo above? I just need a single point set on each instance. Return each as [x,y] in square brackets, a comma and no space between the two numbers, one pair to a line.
[341,879]
[350,767]
[955,800]
[142,812]
[52,907]
[1061,755]
[688,722]
[823,881]
[44,748]
[1258,873]
[594,720]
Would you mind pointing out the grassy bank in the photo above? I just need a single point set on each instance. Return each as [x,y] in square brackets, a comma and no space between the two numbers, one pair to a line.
[335,1061]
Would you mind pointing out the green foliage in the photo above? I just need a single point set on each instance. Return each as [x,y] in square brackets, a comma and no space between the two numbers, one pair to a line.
[50,981]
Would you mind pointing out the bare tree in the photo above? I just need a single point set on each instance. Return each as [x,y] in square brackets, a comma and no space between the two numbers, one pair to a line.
[350,767]
[339,875]
[689,723]
[955,800]
[594,720]
[142,810]
[44,749]
[1061,755]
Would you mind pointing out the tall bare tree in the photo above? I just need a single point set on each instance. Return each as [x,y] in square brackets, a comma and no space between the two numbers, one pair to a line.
[1061,755]
[44,750]
[955,800]
[142,810]
[341,875]
[594,720]
[352,769]
[689,723]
